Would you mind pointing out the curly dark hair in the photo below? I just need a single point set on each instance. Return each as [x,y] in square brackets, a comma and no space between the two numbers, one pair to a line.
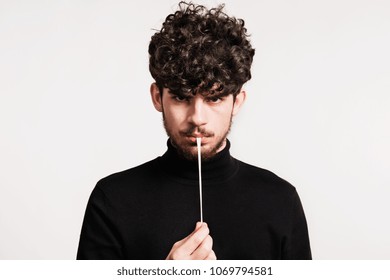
[201,50]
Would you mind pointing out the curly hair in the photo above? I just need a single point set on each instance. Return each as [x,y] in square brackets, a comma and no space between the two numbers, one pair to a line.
[201,50]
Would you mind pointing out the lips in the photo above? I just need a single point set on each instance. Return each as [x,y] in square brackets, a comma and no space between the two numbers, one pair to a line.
[193,137]
[197,135]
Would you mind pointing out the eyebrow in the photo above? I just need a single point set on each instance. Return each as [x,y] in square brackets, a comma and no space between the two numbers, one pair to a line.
[214,94]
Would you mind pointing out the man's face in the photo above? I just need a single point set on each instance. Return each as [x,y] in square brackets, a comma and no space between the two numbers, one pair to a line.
[208,117]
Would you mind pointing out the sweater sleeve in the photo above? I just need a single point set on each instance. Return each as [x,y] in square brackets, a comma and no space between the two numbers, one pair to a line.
[98,238]
[297,244]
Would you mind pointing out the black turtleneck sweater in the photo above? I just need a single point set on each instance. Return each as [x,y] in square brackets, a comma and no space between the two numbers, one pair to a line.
[141,212]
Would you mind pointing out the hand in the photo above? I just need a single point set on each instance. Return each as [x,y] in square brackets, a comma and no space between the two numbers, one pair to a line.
[196,246]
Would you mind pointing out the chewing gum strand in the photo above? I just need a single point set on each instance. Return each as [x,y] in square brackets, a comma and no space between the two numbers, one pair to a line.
[198,143]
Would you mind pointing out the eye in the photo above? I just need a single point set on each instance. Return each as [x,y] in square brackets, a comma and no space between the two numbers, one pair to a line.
[179,98]
[214,99]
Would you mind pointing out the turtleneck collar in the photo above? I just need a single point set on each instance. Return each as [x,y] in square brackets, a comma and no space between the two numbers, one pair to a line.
[216,169]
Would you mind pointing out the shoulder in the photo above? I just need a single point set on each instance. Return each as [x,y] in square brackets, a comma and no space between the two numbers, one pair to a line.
[264,178]
[134,176]
[268,189]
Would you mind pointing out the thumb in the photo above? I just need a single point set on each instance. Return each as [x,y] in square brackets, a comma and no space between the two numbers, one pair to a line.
[199,225]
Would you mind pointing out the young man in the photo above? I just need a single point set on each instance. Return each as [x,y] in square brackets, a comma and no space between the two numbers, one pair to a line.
[200,60]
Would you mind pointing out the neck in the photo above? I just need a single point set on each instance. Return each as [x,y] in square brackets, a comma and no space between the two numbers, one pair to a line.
[220,166]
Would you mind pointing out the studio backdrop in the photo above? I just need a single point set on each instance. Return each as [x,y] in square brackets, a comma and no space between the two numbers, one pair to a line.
[75,107]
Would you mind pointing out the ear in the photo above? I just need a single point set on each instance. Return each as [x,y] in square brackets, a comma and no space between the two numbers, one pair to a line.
[156,97]
[240,99]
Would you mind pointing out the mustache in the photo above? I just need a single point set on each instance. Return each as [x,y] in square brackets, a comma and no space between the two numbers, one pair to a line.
[191,130]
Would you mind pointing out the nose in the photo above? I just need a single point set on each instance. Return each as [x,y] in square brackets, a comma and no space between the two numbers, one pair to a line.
[197,112]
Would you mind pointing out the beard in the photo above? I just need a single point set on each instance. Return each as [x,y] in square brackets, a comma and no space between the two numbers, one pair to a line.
[188,150]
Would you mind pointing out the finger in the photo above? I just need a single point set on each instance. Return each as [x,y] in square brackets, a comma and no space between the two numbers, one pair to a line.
[194,240]
[204,249]
[198,225]
[180,242]
[211,256]
[179,251]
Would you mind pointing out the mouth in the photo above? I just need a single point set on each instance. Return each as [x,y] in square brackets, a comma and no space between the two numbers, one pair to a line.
[192,138]
[191,135]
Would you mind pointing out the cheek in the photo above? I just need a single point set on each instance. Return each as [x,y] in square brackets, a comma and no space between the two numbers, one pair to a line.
[224,115]
[175,118]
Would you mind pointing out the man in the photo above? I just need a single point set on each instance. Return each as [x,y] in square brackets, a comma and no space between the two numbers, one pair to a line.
[200,60]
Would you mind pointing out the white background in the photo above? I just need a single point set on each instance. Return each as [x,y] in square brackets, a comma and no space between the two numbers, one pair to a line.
[75,107]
